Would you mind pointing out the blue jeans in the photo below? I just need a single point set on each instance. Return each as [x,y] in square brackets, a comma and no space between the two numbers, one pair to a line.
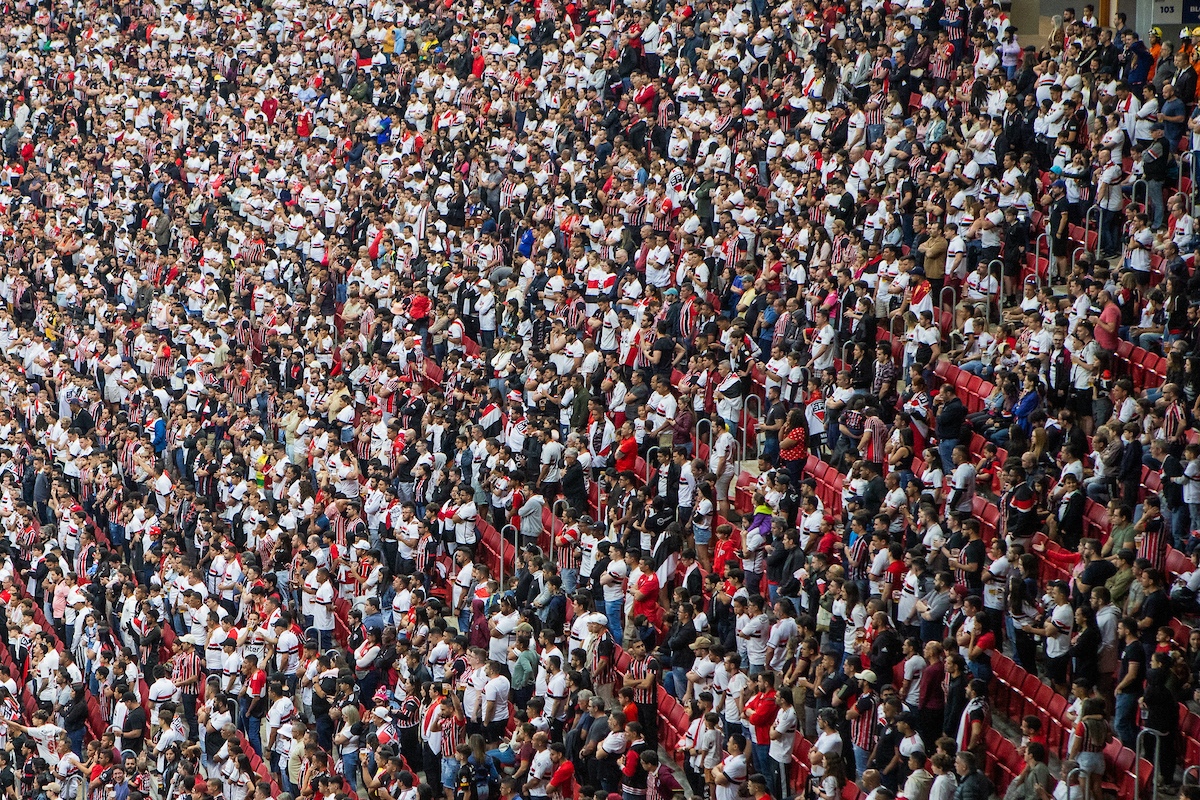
[761,755]
[615,611]
[1125,719]
[76,738]
[861,759]
[946,450]
[675,682]
[1178,520]
[254,733]
[570,580]
[350,768]
[1154,203]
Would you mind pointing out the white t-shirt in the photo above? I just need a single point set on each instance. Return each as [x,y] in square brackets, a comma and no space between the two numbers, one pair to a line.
[913,668]
[825,338]
[496,691]
[1063,619]
[506,624]
[964,484]
[323,607]
[279,718]
[785,724]
[619,570]
[733,689]
[541,767]
[734,768]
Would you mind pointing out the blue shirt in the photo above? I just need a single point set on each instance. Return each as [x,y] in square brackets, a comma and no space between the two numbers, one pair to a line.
[1173,130]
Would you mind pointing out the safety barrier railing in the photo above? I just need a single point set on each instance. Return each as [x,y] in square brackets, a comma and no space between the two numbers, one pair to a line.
[1137,760]
[1087,228]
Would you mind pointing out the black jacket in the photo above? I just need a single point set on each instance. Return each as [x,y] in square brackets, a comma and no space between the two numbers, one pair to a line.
[574,488]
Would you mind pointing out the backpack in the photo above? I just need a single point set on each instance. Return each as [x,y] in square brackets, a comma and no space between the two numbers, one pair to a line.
[488,773]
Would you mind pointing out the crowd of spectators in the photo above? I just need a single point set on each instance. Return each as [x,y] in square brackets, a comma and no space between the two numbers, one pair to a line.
[377,378]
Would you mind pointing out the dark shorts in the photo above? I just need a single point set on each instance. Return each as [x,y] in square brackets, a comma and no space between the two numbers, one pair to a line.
[1081,399]
[494,731]
[1056,668]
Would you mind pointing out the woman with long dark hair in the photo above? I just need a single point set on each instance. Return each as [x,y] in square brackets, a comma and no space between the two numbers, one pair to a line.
[1023,610]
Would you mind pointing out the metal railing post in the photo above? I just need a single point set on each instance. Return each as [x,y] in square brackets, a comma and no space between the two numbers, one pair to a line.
[745,429]
[849,347]
[1084,785]
[651,454]
[1133,193]
[1087,218]
[516,546]
[1078,774]
[892,328]
[1185,158]
[561,502]
[999,292]
[1188,771]
[1037,253]
[705,421]
[1137,762]
[953,298]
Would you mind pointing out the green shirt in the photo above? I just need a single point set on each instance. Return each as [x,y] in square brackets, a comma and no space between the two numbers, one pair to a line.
[1121,537]
[524,669]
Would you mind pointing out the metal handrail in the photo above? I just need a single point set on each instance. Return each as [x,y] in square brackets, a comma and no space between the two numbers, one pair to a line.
[651,454]
[1188,158]
[515,534]
[562,501]
[1087,218]
[892,328]
[1194,768]
[1084,784]
[601,506]
[987,307]
[1137,761]
[953,298]
[709,441]
[744,430]
[1037,253]
[1133,193]
[848,347]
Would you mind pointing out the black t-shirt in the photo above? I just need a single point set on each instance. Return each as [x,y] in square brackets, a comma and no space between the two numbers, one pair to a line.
[1157,608]
[974,552]
[1133,653]
[776,413]
[1097,572]
[665,347]
[829,687]
[885,746]
[135,720]
[321,705]
[1172,493]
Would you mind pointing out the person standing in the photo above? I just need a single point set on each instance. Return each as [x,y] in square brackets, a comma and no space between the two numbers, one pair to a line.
[1130,680]
[951,414]
[643,678]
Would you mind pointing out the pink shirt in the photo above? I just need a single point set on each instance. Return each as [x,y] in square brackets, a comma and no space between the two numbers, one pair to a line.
[59,605]
[1111,315]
